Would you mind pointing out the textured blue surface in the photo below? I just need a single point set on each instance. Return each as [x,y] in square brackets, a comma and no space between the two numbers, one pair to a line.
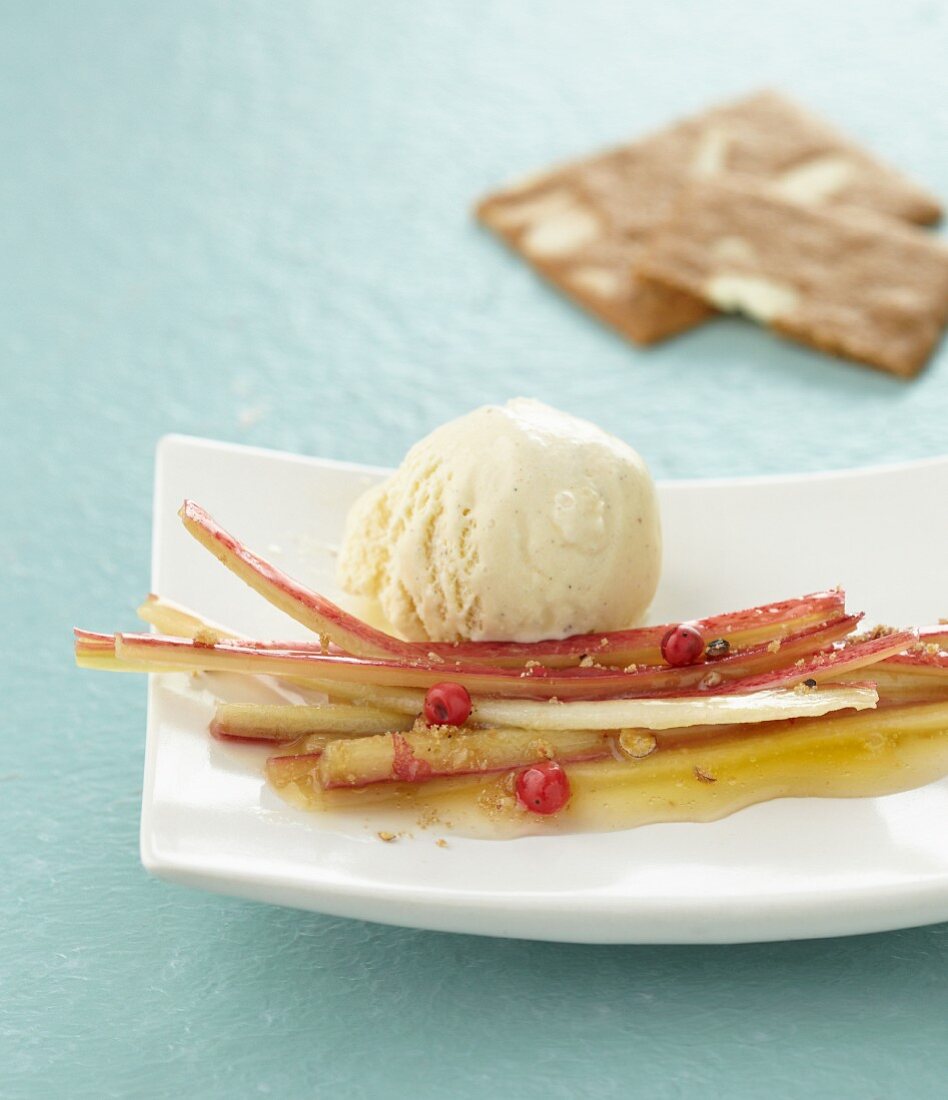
[250,222]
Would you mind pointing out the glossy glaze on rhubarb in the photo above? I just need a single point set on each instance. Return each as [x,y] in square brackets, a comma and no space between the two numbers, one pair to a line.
[867,754]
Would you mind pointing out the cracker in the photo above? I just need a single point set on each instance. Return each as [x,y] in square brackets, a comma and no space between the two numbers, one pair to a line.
[584,226]
[843,280]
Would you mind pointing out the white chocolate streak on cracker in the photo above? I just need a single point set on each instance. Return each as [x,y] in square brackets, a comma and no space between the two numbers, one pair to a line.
[711,152]
[762,299]
[598,281]
[527,211]
[815,180]
[561,234]
[735,250]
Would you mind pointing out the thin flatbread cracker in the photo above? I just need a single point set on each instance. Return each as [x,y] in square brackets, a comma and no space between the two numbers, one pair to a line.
[585,225]
[842,280]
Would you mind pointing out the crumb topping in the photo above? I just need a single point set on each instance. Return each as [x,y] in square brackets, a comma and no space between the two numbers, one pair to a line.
[637,743]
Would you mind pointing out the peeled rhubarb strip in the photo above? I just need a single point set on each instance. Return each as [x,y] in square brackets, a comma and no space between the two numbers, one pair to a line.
[181,622]
[771,653]
[88,642]
[358,638]
[930,664]
[671,713]
[168,617]
[97,651]
[329,671]
[846,755]
[897,688]
[739,662]
[539,682]
[285,722]
[311,745]
[642,645]
[315,612]
[264,722]
[915,676]
[418,757]
[859,654]
[189,658]
[401,700]
[748,628]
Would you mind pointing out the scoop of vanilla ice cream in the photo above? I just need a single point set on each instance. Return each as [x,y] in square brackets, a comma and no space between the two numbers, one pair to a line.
[512,523]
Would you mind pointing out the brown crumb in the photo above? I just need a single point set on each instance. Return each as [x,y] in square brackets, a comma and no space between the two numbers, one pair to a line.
[494,802]
[587,661]
[631,668]
[774,646]
[880,631]
[387,837]
[206,638]
[703,776]
[441,842]
[637,743]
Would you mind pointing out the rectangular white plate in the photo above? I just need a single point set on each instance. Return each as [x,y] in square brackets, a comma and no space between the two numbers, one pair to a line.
[786,869]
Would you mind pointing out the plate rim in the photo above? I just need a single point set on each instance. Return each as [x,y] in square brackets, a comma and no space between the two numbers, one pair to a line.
[873,470]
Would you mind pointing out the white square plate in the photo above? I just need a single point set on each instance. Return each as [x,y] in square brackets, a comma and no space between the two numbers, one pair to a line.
[782,870]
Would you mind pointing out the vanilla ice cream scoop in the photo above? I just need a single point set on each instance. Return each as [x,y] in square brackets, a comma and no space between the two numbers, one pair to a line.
[513,523]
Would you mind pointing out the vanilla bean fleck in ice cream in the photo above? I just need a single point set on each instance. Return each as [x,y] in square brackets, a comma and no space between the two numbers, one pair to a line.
[512,523]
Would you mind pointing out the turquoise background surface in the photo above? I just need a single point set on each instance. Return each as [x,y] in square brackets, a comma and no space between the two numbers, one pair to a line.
[250,221]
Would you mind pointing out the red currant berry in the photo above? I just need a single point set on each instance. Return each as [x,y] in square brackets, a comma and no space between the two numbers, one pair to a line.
[447,705]
[543,788]
[682,645]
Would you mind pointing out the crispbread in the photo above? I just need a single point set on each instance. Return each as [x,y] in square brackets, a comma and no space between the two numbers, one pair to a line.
[585,225]
[842,279]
